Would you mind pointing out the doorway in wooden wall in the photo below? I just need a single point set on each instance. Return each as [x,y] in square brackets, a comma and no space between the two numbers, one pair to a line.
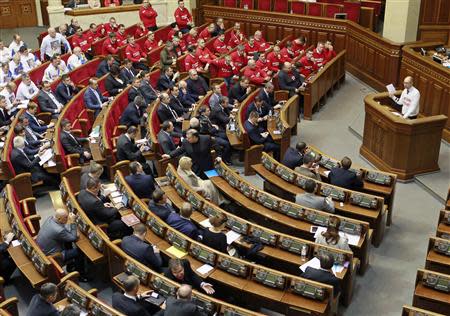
[17,13]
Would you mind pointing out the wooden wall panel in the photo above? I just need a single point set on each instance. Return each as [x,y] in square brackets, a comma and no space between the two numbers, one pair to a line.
[17,13]
[434,21]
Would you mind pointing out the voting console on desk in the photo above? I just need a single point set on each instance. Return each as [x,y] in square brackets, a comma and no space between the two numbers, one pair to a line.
[247,190]
[293,245]
[181,190]
[164,287]
[156,227]
[117,183]
[339,258]
[209,211]
[351,227]
[267,200]
[203,254]
[363,200]
[285,173]
[15,228]
[63,190]
[229,311]
[328,163]
[291,209]
[139,211]
[264,236]
[308,290]
[268,278]
[39,263]
[76,297]
[233,266]
[194,200]
[132,268]
[316,218]
[442,246]
[177,241]
[335,193]
[378,178]
[99,310]
[268,163]
[26,246]
[237,225]
[170,173]
[83,226]
[95,240]
[207,307]
[437,281]
[70,207]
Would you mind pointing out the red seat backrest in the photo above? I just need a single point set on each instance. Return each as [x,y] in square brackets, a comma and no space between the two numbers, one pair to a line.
[332,9]
[162,33]
[280,6]
[314,9]
[156,124]
[298,7]
[247,3]
[353,10]
[154,76]
[264,5]
[230,3]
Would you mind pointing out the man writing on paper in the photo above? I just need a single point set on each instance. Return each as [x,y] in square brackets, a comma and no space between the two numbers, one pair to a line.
[409,99]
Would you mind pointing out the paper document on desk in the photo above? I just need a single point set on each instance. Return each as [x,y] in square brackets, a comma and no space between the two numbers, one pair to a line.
[313,263]
[204,269]
[95,132]
[390,88]
[15,243]
[206,223]
[326,173]
[176,252]
[23,104]
[232,236]
[337,268]
[396,114]
[51,163]
[352,239]
[46,156]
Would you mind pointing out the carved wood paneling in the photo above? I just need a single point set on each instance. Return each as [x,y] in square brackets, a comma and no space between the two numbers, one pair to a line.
[434,21]
[17,13]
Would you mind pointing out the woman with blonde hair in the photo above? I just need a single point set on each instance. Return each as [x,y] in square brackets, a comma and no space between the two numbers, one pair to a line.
[204,187]
[331,237]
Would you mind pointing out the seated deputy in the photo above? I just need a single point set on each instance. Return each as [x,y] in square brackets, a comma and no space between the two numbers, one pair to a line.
[159,206]
[293,157]
[182,222]
[142,184]
[309,199]
[180,271]
[345,178]
[324,274]
[258,136]
[309,168]
[331,237]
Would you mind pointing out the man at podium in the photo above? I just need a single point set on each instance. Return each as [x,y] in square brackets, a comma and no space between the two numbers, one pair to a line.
[408,103]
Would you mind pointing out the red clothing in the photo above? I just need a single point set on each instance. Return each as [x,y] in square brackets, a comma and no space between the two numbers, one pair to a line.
[182,17]
[93,36]
[110,48]
[109,2]
[234,40]
[171,34]
[308,66]
[191,40]
[286,55]
[250,50]
[264,66]
[262,44]
[121,38]
[205,34]
[148,16]
[329,54]
[134,52]
[239,61]
[82,42]
[204,55]
[140,32]
[148,46]
[101,30]
[224,70]
[109,28]
[220,47]
[319,58]
[274,61]
[297,48]
[255,75]
[181,48]
[191,62]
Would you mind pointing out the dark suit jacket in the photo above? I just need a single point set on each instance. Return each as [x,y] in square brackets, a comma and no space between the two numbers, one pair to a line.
[285,82]
[34,125]
[40,307]
[5,118]
[196,88]
[200,153]
[148,92]
[186,99]
[130,116]
[133,93]
[162,211]
[164,114]
[164,83]
[220,116]
[190,277]
[268,100]
[142,251]
[166,142]
[345,178]
[177,105]
[62,95]
[113,86]
[323,277]
[20,163]
[45,103]
[179,307]
[237,93]
[292,158]
[72,145]
[102,69]
[142,184]
[262,112]
[254,133]
[128,306]
[95,210]
[183,225]
[127,149]
[126,76]
[91,101]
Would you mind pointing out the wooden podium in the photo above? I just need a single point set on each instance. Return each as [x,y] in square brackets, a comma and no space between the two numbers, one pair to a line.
[401,146]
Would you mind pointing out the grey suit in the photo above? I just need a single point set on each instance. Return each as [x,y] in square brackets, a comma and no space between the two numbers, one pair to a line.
[53,235]
[314,201]
[308,173]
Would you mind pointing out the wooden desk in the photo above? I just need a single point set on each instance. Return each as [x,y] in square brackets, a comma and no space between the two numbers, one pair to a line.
[437,261]
[25,266]
[103,10]
[427,297]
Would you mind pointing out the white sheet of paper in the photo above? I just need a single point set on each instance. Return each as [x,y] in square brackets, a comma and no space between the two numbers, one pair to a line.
[326,173]
[204,269]
[313,263]
[396,113]
[337,268]
[83,313]
[352,239]
[51,163]
[15,243]
[390,88]
[46,156]
[232,236]
[206,223]
[23,104]
[140,141]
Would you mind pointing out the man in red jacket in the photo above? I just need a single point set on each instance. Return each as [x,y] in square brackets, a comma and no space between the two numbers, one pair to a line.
[183,17]
[319,55]
[309,66]
[330,53]
[287,54]
[148,16]
[81,40]
[274,59]
[299,46]
[173,32]
[236,37]
[121,36]
[255,75]
[226,69]
[192,37]
[263,64]
[261,42]
[203,53]
[111,26]
[220,47]
[251,48]
[239,58]
[110,45]
[206,34]
[134,53]
[94,33]
[151,43]
[179,46]
[192,62]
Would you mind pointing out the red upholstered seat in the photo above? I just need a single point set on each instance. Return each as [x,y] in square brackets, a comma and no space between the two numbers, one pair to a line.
[180,63]
[280,6]
[131,30]
[247,4]
[82,74]
[154,55]
[353,10]
[162,33]
[156,124]
[154,76]
[230,3]
[336,1]
[332,9]
[62,153]
[298,7]
[315,9]
[264,5]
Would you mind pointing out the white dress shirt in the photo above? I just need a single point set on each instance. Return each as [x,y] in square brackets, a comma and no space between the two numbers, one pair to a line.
[29,62]
[5,55]
[75,61]
[26,92]
[409,101]
[52,73]
[52,45]
[14,47]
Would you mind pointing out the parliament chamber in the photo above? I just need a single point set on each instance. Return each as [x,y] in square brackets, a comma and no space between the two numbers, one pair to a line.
[230,157]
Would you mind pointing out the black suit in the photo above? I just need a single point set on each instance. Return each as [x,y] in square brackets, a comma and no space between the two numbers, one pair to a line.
[254,133]
[131,307]
[7,265]
[177,105]
[220,136]
[286,82]
[237,92]
[166,113]
[40,307]
[103,69]
[220,116]
[5,118]
[262,111]
[100,214]
[65,93]
[128,150]
[292,158]
[190,277]
[142,251]
[148,92]
[22,164]
[164,83]
[345,179]
[199,152]
[133,93]
[166,142]
[196,88]
[323,276]
[46,104]
[131,116]
[143,185]
[113,86]
[180,307]
[73,144]
[267,98]
[127,75]
[162,211]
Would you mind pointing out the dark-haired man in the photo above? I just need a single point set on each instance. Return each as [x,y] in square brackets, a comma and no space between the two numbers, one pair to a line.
[345,178]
